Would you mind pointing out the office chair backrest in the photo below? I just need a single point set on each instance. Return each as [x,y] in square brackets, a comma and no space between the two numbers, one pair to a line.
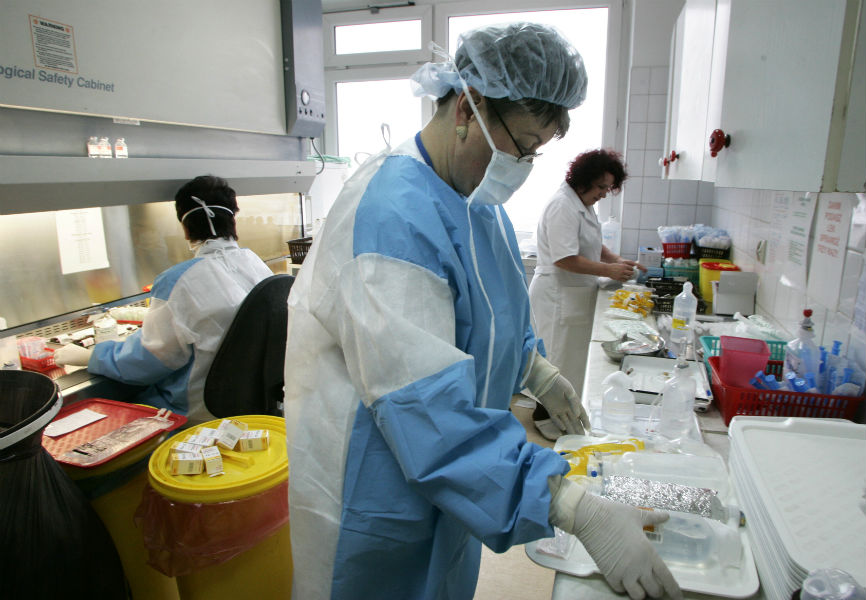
[246,376]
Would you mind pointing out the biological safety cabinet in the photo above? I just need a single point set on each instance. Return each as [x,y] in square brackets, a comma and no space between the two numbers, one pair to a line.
[768,95]
[200,86]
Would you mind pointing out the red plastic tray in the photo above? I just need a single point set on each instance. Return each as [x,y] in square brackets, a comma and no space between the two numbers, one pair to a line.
[119,414]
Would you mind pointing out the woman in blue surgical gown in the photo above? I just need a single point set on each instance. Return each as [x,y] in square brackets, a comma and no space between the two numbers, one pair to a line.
[409,331]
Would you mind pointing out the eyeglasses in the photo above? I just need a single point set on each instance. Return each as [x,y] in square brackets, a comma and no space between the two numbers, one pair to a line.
[524,156]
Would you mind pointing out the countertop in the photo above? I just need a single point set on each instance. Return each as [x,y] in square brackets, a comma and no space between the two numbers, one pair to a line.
[713,429]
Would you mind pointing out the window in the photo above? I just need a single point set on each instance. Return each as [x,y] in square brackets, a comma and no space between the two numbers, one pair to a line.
[370,58]
[586,29]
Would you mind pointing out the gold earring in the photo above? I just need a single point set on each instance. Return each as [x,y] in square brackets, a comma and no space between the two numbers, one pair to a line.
[462,130]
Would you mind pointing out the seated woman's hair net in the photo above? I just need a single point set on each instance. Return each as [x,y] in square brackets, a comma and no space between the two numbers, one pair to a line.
[514,61]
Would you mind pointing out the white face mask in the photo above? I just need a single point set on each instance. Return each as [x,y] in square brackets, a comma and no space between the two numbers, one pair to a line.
[504,173]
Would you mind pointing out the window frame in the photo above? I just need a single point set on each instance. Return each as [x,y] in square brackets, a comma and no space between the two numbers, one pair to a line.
[361,17]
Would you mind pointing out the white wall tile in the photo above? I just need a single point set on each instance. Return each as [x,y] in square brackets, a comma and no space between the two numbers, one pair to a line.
[634,160]
[706,191]
[632,190]
[631,216]
[649,237]
[629,241]
[655,136]
[684,192]
[637,135]
[653,215]
[638,105]
[640,80]
[838,327]
[704,214]
[651,163]
[657,108]
[681,214]
[658,80]
[655,190]
[767,292]
[850,280]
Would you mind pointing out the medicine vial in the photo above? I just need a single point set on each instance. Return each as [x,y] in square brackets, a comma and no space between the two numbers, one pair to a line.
[93,146]
[104,147]
[120,149]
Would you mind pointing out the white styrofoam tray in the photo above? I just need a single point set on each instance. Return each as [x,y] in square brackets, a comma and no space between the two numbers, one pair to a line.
[649,374]
[731,582]
[806,477]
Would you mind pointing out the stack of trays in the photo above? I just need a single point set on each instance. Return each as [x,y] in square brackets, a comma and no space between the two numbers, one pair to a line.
[800,482]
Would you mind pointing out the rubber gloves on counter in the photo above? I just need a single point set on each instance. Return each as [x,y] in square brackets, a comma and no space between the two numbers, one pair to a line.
[557,396]
[612,534]
[72,354]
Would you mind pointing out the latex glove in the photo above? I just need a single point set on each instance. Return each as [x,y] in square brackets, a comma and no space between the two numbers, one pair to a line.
[619,271]
[72,354]
[557,396]
[612,534]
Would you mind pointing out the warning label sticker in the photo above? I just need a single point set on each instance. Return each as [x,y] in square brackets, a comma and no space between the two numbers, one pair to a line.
[53,45]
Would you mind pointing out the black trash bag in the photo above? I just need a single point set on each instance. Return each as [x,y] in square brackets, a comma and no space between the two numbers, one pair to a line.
[52,543]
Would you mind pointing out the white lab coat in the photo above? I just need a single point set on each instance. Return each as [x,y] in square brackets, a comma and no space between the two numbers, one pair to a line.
[563,303]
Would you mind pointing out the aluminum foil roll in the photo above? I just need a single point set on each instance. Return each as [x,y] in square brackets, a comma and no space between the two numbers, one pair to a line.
[665,496]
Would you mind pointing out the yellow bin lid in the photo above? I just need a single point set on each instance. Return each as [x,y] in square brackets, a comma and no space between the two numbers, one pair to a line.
[245,473]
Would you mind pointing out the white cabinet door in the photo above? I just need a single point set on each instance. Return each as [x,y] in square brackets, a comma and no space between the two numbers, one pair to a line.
[782,104]
[852,167]
[688,93]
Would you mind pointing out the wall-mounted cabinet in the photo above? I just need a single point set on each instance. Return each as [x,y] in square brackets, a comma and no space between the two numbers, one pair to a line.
[784,80]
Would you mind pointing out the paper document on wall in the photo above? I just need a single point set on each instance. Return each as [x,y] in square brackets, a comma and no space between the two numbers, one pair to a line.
[829,243]
[81,240]
[795,248]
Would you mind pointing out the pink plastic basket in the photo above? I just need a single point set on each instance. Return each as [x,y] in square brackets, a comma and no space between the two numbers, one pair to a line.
[741,358]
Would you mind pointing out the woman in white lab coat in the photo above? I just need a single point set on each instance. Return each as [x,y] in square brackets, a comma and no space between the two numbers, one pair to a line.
[571,258]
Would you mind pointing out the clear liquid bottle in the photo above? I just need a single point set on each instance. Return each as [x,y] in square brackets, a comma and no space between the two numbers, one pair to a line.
[678,402]
[105,328]
[93,147]
[617,404]
[801,354]
[696,541]
[120,148]
[104,147]
[683,318]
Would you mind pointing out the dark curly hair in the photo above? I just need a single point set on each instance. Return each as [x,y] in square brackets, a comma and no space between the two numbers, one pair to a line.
[591,166]
[213,191]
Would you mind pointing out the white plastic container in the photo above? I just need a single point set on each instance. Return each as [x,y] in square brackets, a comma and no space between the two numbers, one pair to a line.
[611,232]
[105,329]
[683,318]
[9,358]
[617,404]
[801,353]
[693,540]
[678,403]
[120,148]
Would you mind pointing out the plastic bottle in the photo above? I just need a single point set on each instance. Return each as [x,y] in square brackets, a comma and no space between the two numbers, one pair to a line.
[801,353]
[696,541]
[104,328]
[617,404]
[93,146]
[611,232]
[830,584]
[104,147]
[120,148]
[678,402]
[683,318]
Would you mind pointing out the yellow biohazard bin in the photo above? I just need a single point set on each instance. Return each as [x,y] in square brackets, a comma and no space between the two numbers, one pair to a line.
[710,271]
[114,487]
[222,536]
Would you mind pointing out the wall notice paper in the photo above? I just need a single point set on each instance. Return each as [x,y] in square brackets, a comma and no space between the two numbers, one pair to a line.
[795,246]
[73,422]
[832,223]
[81,240]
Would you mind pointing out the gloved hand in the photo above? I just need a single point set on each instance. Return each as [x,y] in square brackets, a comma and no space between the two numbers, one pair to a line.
[612,534]
[72,354]
[557,396]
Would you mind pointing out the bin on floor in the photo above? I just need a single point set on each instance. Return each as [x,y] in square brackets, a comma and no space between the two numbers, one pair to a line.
[55,545]
[224,536]
[114,483]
